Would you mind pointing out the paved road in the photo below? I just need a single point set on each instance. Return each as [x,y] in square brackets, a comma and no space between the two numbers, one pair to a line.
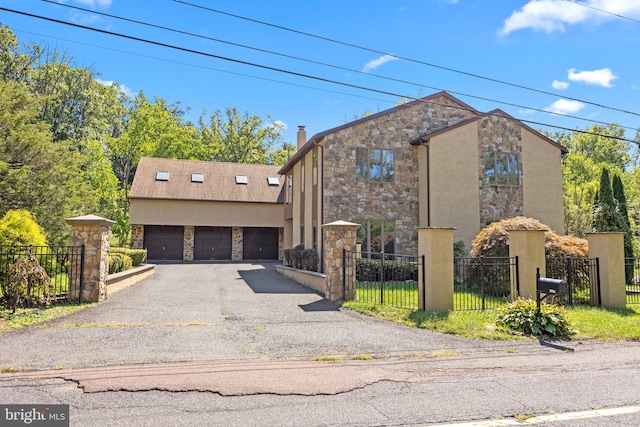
[234,344]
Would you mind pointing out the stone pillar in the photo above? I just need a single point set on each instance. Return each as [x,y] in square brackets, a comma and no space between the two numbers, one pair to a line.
[93,232]
[436,244]
[236,244]
[189,242]
[528,246]
[609,248]
[339,235]
[137,236]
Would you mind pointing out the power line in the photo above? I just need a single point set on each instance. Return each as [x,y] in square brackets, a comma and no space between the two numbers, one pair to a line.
[203,66]
[289,72]
[602,10]
[165,28]
[402,57]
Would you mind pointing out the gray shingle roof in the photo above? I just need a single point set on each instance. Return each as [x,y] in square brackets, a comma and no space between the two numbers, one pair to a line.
[219,182]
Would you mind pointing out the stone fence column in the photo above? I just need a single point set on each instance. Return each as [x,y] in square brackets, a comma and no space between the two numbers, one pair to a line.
[93,232]
[609,248]
[338,235]
[436,244]
[528,246]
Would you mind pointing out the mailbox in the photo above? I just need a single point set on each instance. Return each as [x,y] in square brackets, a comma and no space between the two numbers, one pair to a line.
[551,286]
[548,287]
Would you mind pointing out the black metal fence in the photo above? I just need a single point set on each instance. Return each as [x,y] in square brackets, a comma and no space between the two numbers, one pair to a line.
[484,282]
[63,265]
[632,274]
[582,276]
[386,279]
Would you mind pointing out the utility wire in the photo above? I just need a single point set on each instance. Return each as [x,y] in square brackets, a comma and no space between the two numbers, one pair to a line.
[402,57]
[203,67]
[602,10]
[161,27]
[294,73]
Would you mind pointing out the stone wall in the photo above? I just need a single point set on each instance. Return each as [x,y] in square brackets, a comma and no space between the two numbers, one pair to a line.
[346,198]
[137,236]
[497,134]
[189,242]
[237,246]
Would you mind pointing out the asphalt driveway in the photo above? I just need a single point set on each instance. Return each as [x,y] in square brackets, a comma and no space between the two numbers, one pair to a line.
[220,312]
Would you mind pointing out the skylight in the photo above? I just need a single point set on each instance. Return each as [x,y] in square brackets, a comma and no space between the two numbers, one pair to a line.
[241,179]
[197,177]
[273,180]
[162,176]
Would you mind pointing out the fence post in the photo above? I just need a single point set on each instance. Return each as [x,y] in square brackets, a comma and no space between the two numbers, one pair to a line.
[93,232]
[609,248]
[435,280]
[528,246]
[339,235]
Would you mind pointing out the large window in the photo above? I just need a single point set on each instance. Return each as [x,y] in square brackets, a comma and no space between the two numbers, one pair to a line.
[377,236]
[501,169]
[374,165]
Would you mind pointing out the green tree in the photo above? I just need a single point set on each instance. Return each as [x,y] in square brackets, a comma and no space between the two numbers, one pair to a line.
[240,138]
[282,155]
[606,216]
[36,174]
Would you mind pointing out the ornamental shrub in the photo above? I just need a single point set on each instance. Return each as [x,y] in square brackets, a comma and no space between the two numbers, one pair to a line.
[522,316]
[296,256]
[493,240]
[137,255]
[18,228]
[310,259]
[27,284]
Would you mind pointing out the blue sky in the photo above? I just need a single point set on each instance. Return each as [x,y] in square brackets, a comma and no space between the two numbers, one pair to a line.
[584,53]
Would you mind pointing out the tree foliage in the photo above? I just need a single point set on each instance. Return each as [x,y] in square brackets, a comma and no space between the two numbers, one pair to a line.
[18,228]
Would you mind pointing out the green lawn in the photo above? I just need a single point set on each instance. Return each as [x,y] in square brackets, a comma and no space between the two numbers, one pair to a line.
[590,322]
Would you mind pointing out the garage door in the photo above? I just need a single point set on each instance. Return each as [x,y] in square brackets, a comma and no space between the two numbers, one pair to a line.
[260,243]
[212,243]
[164,242]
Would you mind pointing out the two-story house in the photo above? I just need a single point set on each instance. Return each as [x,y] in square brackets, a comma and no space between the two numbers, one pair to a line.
[433,162]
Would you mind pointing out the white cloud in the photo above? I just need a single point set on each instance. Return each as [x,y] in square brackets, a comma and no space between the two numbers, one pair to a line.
[635,87]
[563,106]
[602,77]
[102,4]
[279,125]
[372,65]
[557,84]
[85,19]
[127,91]
[555,15]
[526,112]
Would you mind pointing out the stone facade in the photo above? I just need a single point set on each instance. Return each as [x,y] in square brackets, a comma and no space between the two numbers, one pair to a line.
[398,201]
[338,236]
[137,236]
[237,246]
[499,135]
[189,243]
[92,232]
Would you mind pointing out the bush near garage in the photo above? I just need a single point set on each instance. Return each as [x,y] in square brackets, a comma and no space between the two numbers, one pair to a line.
[137,255]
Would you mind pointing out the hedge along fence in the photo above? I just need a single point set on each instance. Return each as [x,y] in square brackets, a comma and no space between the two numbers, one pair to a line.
[122,259]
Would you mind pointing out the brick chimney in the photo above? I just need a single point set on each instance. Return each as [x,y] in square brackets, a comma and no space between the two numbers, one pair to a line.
[302,136]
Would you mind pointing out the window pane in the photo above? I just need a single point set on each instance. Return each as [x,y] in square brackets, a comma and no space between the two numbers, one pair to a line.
[375,158]
[376,236]
[513,169]
[501,168]
[389,237]
[362,238]
[362,164]
[489,168]
[388,166]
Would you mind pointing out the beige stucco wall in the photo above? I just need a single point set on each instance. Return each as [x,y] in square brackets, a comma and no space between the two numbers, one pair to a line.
[215,214]
[454,182]
[542,181]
